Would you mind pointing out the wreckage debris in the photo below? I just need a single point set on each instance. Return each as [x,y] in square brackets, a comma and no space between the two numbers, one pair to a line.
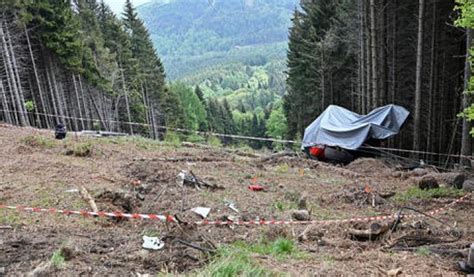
[256,188]
[189,179]
[202,211]
[152,243]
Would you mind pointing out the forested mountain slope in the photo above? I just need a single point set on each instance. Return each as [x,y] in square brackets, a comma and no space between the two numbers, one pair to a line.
[192,34]
[62,60]
[364,54]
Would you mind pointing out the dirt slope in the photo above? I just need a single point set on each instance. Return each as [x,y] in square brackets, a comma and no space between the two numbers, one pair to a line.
[38,171]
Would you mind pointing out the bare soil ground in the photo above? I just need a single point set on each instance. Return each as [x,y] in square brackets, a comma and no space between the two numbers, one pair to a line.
[37,171]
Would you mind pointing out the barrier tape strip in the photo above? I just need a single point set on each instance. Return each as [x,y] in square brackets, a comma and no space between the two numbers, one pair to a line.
[171,219]
[182,130]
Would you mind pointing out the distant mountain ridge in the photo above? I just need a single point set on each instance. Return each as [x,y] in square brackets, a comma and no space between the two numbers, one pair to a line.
[192,34]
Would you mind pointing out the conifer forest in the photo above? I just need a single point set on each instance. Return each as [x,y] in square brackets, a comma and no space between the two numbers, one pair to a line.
[79,63]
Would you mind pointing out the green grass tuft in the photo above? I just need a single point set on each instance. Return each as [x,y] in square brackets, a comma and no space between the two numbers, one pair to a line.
[80,150]
[57,260]
[214,141]
[417,193]
[38,141]
[423,251]
[172,139]
[238,258]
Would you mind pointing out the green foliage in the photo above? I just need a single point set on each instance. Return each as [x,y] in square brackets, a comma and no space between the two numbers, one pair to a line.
[38,141]
[466,20]
[172,138]
[321,57]
[192,35]
[276,124]
[236,259]
[285,205]
[80,150]
[214,141]
[194,111]
[57,260]
[417,193]
[195,138]
[29,106]
[423,251]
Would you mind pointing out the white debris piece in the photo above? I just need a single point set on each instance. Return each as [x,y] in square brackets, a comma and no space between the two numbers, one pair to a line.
[152,243]
[202,211]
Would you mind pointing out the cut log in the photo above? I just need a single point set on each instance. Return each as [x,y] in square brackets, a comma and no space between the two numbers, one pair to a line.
[372,233]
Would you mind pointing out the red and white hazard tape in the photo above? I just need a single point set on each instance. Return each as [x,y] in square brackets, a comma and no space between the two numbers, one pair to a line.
[166,218]
[170,218]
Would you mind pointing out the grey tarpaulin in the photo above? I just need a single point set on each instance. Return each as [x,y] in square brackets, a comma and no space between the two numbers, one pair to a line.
[337,126]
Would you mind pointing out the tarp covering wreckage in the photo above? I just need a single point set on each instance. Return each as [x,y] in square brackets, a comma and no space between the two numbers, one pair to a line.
[337,126]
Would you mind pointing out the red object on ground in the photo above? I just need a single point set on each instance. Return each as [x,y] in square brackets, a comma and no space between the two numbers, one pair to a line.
[255,187]
[316,151]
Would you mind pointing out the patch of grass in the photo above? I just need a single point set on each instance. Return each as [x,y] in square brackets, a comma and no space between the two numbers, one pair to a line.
[417,193]
[214,141]
[8,217]
[196,138]
[283,247]
[423,251]
[285,205]
[172,139]
[238,259]
[141,142]
[283,168]
[38,141]
[84,149]
[57,260]
[150,233]
[44,198]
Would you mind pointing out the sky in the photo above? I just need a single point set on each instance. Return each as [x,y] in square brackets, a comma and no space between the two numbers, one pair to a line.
[117,5]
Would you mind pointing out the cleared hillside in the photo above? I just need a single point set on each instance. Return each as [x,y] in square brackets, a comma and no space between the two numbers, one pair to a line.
[37,171]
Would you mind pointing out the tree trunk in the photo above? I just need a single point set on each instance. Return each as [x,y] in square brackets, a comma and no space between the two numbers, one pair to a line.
[40,90]
[6,112]
[368,101]
[127,104]
[12,110]
[78,101]
[383,56]
[9,66]
[362,61]
[432,90]
[419,67]
[373,43]
[84,102]
[16,69]
[466,126]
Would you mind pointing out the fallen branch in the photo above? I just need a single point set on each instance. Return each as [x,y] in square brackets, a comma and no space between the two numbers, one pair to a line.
[86,196]
[5,227]
[203,249]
